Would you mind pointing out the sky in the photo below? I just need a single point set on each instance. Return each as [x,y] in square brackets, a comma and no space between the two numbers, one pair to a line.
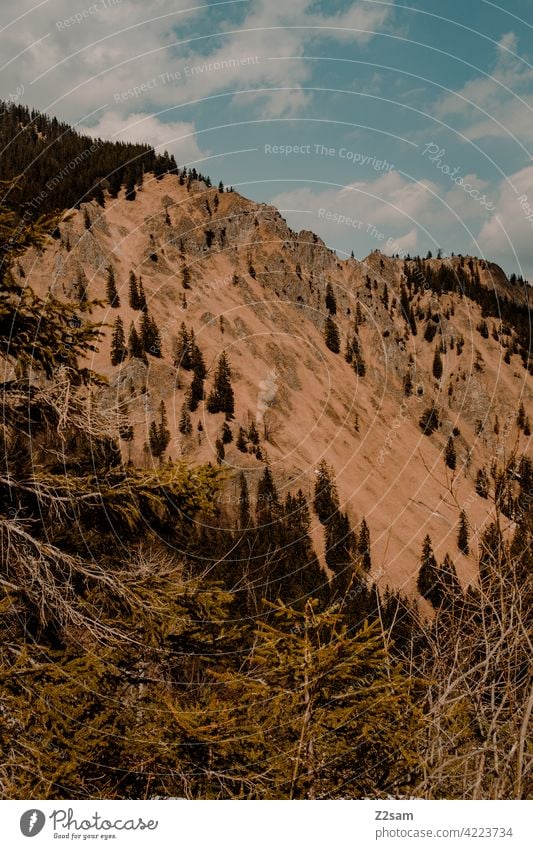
[404,127]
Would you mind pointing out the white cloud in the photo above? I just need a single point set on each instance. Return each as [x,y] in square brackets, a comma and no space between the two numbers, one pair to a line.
[177,137]
[366,215]
[81,66]
[500,104]
[508,234]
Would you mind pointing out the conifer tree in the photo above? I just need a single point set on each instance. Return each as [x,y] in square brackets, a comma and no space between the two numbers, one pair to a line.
[226,434]
[159,435]
[195,393]
[437,364]
[196,359]
[141,297]
[462,536]
[221,398]
[133,292]
[482,483]
[150,336]
[521,416]
[219,448]
[112,293]
[242,442]
[450,456]
[267,498]
[182,350]
[245,519]
[363,546]
[119,351]
[331,301]
[326,499]
[331,335]
[253,433]
[449,582]
[135,345]
[428,583]
[185,423]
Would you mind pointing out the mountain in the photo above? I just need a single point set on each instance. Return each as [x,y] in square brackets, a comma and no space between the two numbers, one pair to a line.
[448,334]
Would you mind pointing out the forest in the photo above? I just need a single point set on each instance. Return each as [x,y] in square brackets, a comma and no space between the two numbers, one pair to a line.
[151,650]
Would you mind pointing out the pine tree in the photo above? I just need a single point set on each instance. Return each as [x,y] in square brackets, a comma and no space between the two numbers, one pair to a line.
[428,584]
[196,359]
[226,434]
[462,536]
[150,336]
[326,499]
[245,519]
[450,588]
[241,442]
[521,416]
[331,335]
[185,423]
[134,296]
[141,296]
[221,398]
[253,434]
[437,365]
[119,351]
[159,435]
[219,448]
[331,301]
[182,350]
[363,546]
[135,345]
[450,457]
[482,483]
[112,293]
[429,421]
[267,501]
[195,393]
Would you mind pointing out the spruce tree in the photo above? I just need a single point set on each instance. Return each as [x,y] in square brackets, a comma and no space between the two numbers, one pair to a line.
[450,456]
[111,288]
[245,519]
[195,393]
[331,335]
[219,448]
[150,336]
[267,498]
[326,499]
[119,351]
[241,442]
[182,350]
[185,423]
[133,292]
[437,364]
[482,483]
[135,345]
[141,297]
[221,398]
[226,434]
[159,435]
[462,536]
[253,434]
[428,583]
[331,302]
[363,546]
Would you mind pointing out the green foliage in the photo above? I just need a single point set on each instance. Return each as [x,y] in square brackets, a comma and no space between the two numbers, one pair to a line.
[331,301]
[111,288]
[331,335]
[462,535]
[437,365]
[429,421]
[119,350]
[450,456]
[221,398]
[159,434]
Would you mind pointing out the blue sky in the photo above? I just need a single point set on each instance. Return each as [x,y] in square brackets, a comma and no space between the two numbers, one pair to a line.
[400,126]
